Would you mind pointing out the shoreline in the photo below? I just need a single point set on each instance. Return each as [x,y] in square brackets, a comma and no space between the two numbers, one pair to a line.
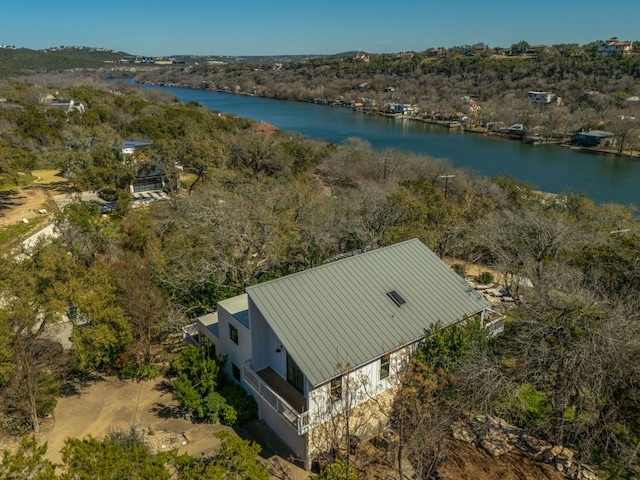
[456,125]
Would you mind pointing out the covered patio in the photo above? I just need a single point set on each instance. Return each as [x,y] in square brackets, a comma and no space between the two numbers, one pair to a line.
[283,389]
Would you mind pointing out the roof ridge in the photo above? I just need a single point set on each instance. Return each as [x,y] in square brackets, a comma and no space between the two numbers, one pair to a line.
[331,264]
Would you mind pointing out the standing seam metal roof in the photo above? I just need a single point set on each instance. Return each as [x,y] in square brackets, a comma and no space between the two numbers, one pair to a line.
[339,314]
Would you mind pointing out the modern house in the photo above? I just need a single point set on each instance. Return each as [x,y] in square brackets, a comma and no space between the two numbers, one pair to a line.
[401,109]
[151,175]
[66,105]
[129,147]
[594,138]
[312,345]
[614,47]
[543,98]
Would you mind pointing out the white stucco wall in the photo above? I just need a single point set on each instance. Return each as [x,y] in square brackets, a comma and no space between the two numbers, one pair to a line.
[284,430]
[265,344]
[236,354]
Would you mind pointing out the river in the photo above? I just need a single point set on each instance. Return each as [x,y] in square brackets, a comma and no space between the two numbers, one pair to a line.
[550,168]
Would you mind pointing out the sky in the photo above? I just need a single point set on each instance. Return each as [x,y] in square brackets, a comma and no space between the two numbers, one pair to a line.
[280,27]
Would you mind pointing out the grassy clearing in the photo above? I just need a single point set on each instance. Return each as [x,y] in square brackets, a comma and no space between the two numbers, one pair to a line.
[22,181]
[49,176]
[12,233]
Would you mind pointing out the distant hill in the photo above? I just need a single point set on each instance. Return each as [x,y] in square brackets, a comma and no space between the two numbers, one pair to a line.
[23,60]
[269,58]
[17,61]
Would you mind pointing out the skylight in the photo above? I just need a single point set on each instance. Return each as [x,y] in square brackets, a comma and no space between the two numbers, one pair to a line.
[397,298]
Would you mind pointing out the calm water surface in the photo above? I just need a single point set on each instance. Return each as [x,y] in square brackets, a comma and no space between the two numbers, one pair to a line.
[549,167]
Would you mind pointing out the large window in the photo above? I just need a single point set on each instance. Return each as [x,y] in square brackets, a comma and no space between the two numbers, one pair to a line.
[336,389]
[294,374]
[385,361]
[233,334]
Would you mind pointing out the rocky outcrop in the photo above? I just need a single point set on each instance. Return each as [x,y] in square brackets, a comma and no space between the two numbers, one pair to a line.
[497,438]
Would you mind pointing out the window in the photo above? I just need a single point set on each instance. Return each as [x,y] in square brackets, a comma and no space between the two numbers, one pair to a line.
[294,375]
[235,371]
[233,334]
[336,389]
[385,360]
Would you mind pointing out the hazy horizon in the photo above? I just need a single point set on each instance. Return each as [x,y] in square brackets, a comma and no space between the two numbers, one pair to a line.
[286,27]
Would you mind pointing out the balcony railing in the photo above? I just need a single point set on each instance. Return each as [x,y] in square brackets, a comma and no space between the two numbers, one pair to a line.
[299,421]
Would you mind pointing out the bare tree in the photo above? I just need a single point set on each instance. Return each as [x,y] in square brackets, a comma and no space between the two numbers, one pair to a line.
[520,244]
[624,123]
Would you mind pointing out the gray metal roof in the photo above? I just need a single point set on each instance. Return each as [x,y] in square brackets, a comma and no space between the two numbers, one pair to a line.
[340,313]
[135,144]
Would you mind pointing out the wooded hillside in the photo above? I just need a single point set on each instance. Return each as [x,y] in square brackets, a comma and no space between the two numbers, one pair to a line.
[247,206]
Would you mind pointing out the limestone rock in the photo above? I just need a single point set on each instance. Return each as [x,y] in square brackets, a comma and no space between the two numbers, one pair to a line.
[462,433]
[497,437]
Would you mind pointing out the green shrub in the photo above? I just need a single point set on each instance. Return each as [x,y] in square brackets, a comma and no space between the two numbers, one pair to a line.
[243,404]
[203,387]
[337,471]
[145,371]
[459,269]
[485,278]
[443,348]
[528,406]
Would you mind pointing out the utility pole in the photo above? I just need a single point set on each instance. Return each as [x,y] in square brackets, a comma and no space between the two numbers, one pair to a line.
[446,184]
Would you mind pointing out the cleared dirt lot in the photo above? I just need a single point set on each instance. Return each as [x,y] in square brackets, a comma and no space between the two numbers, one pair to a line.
[20,203]
[23,203]
[109,404]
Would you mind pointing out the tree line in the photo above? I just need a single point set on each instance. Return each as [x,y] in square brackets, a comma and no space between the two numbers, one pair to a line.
[593,89]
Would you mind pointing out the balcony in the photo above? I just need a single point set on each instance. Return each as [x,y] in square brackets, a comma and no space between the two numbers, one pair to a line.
[274,390]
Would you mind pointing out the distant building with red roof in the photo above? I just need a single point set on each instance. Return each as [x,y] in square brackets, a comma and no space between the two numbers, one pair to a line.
[613,47]
[264,127]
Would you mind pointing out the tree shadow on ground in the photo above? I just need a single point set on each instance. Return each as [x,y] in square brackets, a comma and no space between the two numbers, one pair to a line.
[9,199]
[75,381]
[164,386]
[257,431]
[170,411]
[59,188]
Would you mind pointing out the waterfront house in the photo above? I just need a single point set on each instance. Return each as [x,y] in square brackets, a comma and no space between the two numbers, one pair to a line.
[594,138]
[315,344]
[401,109]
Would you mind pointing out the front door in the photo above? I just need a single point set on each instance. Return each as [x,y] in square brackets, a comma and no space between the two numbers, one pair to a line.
[294,374]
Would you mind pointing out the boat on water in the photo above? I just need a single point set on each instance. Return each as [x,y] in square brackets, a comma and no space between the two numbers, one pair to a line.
[534,140]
